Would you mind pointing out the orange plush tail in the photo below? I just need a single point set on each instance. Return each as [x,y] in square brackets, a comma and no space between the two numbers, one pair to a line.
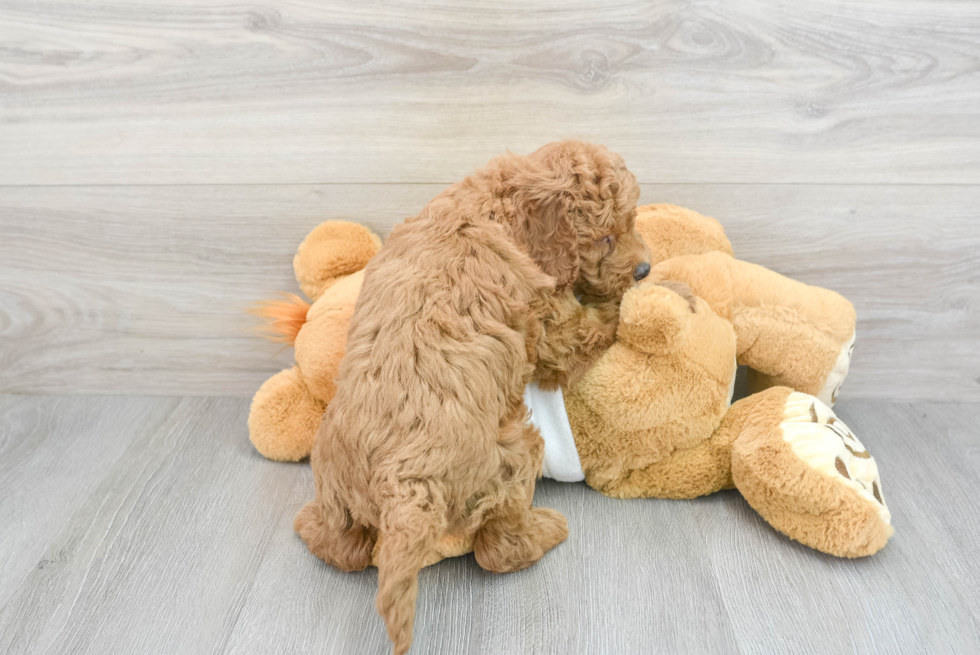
[283,318]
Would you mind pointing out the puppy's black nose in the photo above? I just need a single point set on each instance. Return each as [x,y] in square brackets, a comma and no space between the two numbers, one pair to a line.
[641,271]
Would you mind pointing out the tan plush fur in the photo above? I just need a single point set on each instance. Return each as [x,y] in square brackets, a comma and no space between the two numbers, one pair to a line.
[284,417]
[333,250]
[427,434]
[789,333]
[663,387]
[672,231]
[651,417]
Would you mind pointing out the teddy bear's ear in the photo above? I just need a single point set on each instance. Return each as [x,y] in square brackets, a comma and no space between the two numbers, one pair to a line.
[656,318]
[331,251]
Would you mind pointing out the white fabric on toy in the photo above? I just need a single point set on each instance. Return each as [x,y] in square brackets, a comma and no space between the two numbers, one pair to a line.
[828,395]
[548,415]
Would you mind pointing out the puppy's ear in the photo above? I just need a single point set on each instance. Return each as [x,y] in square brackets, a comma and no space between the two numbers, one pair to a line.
[546,229]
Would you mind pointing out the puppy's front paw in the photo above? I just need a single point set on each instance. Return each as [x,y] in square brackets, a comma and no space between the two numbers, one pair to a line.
[609,320]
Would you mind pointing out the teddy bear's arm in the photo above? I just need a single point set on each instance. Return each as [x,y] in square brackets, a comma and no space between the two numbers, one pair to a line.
[655,317]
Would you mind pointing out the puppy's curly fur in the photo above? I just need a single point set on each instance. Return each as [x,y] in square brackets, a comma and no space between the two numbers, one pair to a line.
[465,304]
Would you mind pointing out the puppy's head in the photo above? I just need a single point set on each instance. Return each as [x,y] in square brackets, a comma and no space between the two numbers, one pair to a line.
[578,201]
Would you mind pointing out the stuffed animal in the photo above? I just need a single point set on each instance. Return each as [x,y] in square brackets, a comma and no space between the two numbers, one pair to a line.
[653,417]
[286,411]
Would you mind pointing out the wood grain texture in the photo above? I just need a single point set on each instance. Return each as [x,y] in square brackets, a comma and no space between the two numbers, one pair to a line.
[161,555]
[45,438]
[185,544]
[143,289]
[622,599]
[203,91]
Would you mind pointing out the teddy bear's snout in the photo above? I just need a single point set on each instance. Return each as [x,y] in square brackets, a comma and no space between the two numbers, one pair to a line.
[641,271]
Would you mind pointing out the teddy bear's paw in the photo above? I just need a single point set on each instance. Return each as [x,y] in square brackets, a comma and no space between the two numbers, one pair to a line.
[831,388]
[450,545]
[824,443]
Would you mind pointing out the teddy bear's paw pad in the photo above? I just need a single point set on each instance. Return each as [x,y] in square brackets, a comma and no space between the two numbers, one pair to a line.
[831,388]
[454,545]
[825,444]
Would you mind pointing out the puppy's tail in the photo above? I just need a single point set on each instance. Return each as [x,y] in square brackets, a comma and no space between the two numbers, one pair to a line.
[408,535]
[284,318]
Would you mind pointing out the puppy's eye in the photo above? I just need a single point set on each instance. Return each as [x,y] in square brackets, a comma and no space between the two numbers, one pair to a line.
[609,241]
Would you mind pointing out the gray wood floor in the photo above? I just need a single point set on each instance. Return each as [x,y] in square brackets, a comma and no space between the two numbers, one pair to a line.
[148,525]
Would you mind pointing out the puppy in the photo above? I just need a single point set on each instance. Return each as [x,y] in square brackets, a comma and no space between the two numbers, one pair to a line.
[465,304]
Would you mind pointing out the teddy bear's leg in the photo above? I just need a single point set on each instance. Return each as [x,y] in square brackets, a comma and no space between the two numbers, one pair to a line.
[284,417]
[789,333]
[692,472]
[828,391]
[807,474]
[688,473]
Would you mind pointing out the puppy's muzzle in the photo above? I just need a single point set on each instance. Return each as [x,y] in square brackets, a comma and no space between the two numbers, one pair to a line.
[641,271]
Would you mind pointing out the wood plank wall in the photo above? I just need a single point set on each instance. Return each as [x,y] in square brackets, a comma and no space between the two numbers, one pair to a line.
[159,162]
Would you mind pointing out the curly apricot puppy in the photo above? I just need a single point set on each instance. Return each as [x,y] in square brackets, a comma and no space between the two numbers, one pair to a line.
[467,302]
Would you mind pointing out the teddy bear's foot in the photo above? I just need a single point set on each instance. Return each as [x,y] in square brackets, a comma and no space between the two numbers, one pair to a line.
[828,394]
[822,375]
[806,473]
[450,545]
[284,417]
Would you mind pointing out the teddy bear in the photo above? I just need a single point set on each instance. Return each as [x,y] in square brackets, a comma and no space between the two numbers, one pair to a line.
[653,417]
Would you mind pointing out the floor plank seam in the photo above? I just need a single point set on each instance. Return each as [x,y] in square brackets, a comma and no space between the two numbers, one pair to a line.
[718,585]
[269,539]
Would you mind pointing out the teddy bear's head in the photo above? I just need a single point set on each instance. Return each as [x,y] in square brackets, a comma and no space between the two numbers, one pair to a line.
[664,385]
[671,231]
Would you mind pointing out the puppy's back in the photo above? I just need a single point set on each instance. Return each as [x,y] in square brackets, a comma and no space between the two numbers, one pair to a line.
[437,354]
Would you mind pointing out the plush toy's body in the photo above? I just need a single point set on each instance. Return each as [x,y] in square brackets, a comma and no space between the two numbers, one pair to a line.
[652,418]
